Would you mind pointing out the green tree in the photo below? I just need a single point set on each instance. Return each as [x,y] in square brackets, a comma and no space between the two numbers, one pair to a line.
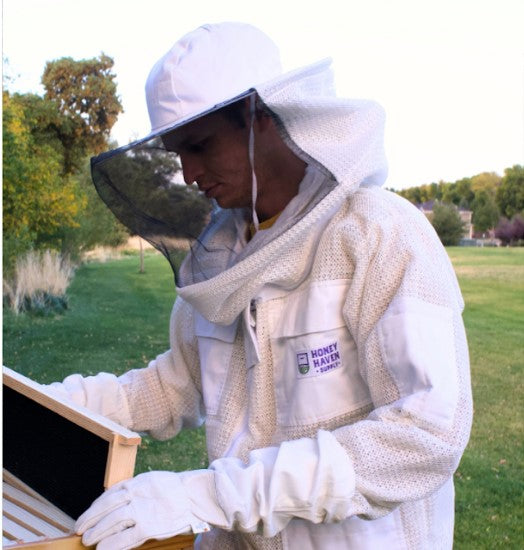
[465,192]
[510,193]
[447,223]
[37,198]
[412,194]
[46,142]
[85,94]
[458,193]
[96,225]
[450,194]
[485,211]
[439,193]
[430,191]
[486,182]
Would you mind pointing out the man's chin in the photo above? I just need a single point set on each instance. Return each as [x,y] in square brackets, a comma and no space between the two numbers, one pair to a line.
[227,203]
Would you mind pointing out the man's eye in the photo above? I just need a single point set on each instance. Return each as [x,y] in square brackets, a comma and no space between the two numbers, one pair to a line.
[197,147]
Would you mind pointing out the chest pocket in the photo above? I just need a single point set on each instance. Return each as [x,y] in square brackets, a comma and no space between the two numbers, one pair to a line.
[215,346]
[315,358]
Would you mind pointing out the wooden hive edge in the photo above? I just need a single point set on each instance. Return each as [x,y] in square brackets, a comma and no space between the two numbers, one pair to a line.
[83,417]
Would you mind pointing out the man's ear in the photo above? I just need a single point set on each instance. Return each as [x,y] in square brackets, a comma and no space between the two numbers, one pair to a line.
[263,119]
[264,123]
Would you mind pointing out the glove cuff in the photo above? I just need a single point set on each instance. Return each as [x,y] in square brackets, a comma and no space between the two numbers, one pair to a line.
[200,489]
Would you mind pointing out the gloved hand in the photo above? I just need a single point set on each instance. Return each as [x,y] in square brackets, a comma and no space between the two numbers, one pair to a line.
[308,478]
[154,505]
[101,394]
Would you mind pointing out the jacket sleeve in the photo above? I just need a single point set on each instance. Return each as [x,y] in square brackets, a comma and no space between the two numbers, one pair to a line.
[160,399]
[166,396]
[404,310]
[307,478]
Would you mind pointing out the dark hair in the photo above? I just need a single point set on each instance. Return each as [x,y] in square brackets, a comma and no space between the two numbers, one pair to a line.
[235,113]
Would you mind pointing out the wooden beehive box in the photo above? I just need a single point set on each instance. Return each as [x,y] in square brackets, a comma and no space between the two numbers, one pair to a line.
[57,458]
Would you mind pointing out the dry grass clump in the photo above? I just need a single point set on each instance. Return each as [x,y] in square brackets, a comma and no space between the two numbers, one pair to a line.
[102,254]
[39,283]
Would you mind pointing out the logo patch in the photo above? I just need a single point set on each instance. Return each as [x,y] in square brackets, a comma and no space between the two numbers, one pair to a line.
[303,362]
[317,361]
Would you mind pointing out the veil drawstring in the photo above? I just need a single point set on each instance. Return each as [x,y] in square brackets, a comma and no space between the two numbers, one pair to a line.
[252,104]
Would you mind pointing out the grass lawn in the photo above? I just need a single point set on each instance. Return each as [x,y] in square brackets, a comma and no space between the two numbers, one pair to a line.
[118,319]
[490,479]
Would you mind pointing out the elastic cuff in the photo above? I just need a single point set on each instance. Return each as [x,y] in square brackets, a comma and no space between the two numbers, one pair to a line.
[200,489]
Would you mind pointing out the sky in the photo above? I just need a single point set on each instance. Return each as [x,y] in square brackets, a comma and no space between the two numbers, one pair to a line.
[449,73]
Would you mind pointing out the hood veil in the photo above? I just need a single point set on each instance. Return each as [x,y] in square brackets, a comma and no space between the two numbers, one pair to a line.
[340,139]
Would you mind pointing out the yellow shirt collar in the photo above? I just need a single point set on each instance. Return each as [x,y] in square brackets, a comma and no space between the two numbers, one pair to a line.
[266,224]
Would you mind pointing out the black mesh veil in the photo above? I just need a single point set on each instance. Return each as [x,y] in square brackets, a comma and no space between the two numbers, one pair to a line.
[142,185]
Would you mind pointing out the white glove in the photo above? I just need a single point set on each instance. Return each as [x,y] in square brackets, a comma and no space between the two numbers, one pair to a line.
[309,478]
[154,505]
[101,394]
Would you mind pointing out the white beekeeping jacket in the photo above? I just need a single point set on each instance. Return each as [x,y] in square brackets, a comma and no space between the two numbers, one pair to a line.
[327,354]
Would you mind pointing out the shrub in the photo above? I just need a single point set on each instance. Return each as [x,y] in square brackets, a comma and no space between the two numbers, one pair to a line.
[39,283]
[511,232]
[447,223]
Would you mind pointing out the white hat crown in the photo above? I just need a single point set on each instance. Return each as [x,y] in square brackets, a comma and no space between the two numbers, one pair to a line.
[207,67]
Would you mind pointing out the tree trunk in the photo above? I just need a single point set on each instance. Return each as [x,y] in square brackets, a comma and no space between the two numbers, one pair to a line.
[141,255]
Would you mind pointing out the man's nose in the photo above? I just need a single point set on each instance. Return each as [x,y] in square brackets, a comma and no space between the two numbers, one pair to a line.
[192,168]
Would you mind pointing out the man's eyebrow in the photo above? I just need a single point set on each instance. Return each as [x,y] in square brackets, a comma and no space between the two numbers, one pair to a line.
[171,144]
[187,141]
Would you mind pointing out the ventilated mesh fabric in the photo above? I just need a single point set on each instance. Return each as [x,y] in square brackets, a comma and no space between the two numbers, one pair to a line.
[181,407]
[343,139]
[344,135]
[397,458]
[142,184]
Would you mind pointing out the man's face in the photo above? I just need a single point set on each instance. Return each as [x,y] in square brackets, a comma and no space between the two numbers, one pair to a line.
[214,153]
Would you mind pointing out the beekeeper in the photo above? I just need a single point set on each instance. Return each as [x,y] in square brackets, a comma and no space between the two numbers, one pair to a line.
[317,330]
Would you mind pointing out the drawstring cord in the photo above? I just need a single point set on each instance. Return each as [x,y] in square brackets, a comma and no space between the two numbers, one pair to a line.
[250,338]
[252,105]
